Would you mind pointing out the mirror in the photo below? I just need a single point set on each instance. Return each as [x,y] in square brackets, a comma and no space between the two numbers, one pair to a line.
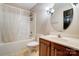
[62,16]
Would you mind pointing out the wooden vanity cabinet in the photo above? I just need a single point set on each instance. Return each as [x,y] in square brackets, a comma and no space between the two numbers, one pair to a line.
[59,50]
[70,52]
[44,47]
[47,48]
[77,53]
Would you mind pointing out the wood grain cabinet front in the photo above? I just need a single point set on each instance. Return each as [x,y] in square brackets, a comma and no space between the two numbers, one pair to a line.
[44,48]
[48,48]
[59,50]
[52,49]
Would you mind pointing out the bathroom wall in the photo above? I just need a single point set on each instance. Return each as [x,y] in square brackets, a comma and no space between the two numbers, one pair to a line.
[43,25]
[42,18]
[15,23]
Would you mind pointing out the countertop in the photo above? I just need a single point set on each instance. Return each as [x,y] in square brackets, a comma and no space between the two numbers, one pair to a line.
[66,41]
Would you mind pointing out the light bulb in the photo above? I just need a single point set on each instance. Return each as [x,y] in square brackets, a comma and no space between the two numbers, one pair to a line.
[52,10]
[47,8]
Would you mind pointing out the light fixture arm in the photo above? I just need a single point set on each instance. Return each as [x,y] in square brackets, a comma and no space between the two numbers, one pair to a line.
[50,11]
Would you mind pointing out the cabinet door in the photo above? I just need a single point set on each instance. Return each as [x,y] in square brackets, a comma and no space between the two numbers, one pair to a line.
[52,49]
[44,48]
[59,50]
[77,53]
[71,52]
[68,50]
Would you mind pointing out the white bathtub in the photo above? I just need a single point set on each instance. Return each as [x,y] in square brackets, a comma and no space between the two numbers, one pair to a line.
[7,49]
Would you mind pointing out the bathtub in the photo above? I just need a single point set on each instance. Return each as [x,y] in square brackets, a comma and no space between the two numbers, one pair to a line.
[11,48]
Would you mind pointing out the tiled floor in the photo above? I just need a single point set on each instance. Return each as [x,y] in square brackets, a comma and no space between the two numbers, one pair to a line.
[35,53]
[26,52]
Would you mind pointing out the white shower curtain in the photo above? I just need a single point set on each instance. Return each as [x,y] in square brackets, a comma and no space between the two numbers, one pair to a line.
[15,24]
[1,21]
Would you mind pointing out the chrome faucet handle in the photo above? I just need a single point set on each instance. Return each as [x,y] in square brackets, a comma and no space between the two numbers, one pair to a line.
[59,36]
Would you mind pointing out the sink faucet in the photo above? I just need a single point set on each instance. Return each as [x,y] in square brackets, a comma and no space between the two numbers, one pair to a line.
[59,36]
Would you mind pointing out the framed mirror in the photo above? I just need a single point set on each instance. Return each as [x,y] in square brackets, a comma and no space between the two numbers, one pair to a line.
[62,16]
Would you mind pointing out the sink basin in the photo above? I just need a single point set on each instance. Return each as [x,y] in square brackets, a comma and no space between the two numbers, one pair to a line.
[61,39]
[64,39]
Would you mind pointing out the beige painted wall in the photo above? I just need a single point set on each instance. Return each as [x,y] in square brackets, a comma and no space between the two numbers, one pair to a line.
[43,25]
[42,18]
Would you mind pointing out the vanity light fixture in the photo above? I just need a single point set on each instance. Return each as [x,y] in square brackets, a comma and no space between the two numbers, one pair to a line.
[75,4]
[50,11]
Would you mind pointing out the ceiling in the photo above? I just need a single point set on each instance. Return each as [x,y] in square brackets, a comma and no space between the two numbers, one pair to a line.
[23,5]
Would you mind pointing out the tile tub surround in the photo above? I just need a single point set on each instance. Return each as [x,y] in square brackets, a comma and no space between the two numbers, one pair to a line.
[66,41]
